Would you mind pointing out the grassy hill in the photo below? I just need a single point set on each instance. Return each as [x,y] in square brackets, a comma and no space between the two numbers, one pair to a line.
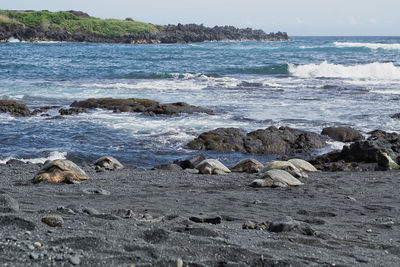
[71,23]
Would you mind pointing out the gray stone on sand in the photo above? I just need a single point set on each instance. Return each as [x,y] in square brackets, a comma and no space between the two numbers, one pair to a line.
[212,166]
[285,224]
[8,204]
[96,191]
[75,260]
[248,165]
[53,220]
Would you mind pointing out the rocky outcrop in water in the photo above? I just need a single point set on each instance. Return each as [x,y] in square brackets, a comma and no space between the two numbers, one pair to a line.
[367,151]
[163,34]
[14,108]
[145,106]
[270,141]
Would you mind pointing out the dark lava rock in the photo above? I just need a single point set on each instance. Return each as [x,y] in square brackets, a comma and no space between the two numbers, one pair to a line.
[145,106]
[8,204]
[15,162]
[395,116]
[212,220]
[43,109]
[14,108]
[270,141]
[342,134]
[190,163]
[53,220]
[71,111]
[58,117]
[363,151]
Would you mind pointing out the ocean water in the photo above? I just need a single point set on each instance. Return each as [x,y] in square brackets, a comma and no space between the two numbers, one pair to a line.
[309,83]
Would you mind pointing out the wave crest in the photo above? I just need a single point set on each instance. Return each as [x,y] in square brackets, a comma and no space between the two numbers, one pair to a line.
[372,71]
[368,45]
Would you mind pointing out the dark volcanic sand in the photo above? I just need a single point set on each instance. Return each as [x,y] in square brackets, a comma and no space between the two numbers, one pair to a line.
[355,218]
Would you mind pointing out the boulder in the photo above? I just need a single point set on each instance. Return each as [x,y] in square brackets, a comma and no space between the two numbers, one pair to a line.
[363,151]
[342,134]
[14,108]
[145,106]
[190,163]
[395,116]
[43,109]
[72,111]
[270,141]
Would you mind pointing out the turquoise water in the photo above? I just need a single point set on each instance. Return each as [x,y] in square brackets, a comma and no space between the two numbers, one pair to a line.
[309,83]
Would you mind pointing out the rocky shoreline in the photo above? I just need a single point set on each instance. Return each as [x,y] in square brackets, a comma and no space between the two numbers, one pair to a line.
[199,212]
[180,33]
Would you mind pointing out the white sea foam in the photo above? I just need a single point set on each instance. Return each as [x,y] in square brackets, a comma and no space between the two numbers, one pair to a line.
[13,40]
[368,45]
[52,156]
[372,71]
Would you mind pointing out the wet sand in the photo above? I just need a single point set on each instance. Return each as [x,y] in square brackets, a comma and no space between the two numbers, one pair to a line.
[143,218]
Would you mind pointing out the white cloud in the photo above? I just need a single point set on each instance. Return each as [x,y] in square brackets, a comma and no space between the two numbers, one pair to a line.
[352,20]
[300,21]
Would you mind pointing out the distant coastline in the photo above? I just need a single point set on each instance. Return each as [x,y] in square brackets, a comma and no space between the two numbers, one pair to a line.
[77,26]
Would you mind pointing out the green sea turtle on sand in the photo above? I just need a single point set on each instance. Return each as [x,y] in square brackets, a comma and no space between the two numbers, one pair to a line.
[60,171]
[276,178]
[248,165]
[212,166]
[303,165]
[109,163]
[286,166]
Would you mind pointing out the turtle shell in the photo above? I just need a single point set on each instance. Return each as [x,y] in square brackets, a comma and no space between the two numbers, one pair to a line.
[212,164]
[65,165]
[303,165]
[281,176]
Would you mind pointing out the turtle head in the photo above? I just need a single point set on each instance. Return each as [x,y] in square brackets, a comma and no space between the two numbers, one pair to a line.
[41,177]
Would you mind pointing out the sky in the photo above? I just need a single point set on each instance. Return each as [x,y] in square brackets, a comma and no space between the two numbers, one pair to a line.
[296,17]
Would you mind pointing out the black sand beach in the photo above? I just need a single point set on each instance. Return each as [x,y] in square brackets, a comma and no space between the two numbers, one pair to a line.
[134,217]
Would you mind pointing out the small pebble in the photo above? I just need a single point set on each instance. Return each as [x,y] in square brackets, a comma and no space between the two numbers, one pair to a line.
[34,256]
[37,244]
[75,260]
[31,247]
[369,231]
[179,262]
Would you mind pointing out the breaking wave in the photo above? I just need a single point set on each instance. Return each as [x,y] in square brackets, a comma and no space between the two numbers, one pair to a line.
[372,71]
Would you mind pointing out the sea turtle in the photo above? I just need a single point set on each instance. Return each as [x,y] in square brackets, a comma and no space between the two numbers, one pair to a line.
[303,165]
[58,171]
[248,165]
[286,166]
[276,178]
[212,166]
[109,163]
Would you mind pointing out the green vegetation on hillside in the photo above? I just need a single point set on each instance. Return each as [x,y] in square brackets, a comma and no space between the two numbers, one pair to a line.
[45,20]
